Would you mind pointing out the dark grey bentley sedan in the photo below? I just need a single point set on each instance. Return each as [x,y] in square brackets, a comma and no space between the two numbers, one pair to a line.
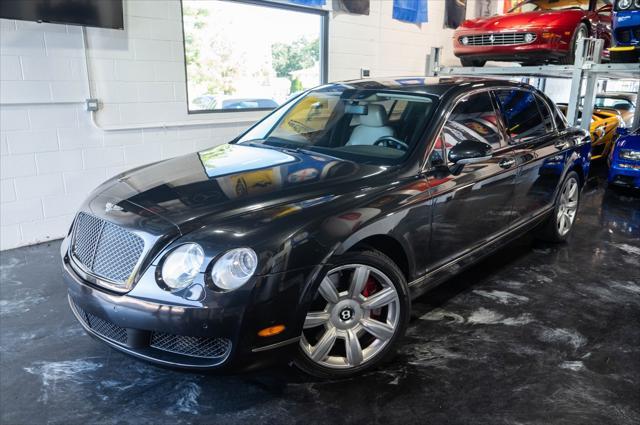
[307,237]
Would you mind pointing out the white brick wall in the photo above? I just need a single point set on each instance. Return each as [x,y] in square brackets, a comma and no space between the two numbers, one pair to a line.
[52,155]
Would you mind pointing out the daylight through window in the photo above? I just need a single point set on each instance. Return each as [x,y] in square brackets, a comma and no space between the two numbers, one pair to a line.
[250,55]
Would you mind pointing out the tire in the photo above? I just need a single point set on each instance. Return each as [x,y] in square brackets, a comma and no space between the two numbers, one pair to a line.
[566,208]
[581,32]
[472,62]
[370,294]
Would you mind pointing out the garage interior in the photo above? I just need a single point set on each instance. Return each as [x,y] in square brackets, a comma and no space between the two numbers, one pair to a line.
[535,334]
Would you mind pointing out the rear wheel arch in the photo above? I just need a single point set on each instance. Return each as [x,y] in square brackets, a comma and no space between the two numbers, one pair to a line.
[579,171]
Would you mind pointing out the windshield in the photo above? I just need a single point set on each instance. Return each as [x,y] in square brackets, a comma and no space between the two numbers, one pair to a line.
[362,125]
[613,102]
[541,5]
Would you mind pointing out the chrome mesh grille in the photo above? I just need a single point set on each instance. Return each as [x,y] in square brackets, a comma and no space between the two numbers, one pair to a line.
[191,346]
[497,39]
[103,327]
[106,249]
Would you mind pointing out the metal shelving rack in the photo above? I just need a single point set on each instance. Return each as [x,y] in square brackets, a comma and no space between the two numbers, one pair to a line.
[584,75]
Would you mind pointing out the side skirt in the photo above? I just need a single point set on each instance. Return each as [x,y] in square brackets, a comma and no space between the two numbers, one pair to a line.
[443,273]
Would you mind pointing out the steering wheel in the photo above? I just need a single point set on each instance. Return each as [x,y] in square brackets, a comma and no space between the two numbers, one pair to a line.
[391,142]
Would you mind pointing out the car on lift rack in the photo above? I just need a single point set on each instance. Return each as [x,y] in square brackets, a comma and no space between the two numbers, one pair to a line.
[626,31]
[604,123]
[533,32]
[625,103]
[308,236]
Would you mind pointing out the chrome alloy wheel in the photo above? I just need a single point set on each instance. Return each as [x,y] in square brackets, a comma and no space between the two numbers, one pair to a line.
[568,206]
[360,316]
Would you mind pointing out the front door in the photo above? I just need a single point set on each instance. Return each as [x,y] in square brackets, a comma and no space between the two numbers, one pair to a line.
[473,204]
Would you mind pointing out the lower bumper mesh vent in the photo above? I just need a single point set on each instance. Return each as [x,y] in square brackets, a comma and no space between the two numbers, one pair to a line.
[191,346]
[103,327]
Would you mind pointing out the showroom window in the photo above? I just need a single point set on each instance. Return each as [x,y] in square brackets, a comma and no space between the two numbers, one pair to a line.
[248,55]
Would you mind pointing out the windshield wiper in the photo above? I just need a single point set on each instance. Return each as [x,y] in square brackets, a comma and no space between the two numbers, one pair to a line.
[261,143]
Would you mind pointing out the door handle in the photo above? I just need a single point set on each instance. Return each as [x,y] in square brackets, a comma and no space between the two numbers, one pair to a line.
[507,163]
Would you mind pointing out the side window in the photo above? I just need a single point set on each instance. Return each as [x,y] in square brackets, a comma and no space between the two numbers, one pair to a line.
[473,118]
[521,114]
[546,114]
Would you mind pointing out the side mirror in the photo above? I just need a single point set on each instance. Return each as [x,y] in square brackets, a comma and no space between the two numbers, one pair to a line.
[622,131]
[469,152]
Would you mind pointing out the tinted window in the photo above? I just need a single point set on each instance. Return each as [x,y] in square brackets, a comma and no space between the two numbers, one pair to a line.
[614,102]
[546,114]
[521,115]
[473,118]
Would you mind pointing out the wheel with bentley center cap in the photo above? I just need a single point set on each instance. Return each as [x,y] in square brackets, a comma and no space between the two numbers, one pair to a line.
[359,312]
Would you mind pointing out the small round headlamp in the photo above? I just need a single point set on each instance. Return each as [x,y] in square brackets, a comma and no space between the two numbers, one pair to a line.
[182,265]
[464,40]
[528,37]
[234,268]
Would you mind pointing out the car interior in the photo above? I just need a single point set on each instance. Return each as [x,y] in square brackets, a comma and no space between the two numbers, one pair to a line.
[378,126]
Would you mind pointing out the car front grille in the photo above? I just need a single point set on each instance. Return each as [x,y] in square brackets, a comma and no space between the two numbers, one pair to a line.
[496,39]
[102,327]
[191,346]
[105,249]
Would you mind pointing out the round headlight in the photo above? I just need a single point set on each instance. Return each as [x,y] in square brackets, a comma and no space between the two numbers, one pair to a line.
[637,4]
[528,37]
[234,268]
[464,40]
[182,265]
[624,4]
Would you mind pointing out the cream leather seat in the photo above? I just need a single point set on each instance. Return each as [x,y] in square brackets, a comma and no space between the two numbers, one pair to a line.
[372,127]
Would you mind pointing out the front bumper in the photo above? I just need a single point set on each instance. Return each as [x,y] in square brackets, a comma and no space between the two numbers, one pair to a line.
[218,332]
[625,54]
[626,177]
[542,48]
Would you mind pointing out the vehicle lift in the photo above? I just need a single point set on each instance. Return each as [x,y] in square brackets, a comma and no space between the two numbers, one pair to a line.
[584,75]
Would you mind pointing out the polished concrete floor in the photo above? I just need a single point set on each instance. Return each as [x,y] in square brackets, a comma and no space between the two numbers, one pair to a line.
[537,334]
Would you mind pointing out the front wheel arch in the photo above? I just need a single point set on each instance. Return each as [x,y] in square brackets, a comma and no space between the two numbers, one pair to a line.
[385,265]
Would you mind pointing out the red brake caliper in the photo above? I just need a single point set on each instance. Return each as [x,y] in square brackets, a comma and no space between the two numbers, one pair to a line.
[370,288]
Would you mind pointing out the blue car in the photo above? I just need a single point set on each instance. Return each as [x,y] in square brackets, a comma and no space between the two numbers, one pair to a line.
[624,160]
[626,31]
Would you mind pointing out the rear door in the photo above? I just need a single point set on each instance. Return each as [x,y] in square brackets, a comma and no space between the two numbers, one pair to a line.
[475,204]
[538,147]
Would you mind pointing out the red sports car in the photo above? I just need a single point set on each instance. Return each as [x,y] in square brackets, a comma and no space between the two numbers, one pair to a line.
[533,32]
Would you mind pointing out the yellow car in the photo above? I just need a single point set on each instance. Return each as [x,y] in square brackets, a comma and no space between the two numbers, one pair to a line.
[604,123]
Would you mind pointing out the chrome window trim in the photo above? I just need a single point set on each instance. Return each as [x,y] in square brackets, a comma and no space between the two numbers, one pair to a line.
[426,166]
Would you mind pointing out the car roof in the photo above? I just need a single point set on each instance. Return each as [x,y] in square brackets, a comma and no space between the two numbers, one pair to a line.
[434,86]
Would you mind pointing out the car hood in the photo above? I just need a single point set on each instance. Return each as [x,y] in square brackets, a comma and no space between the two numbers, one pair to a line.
[521,21]
[631,141]
[230,180]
